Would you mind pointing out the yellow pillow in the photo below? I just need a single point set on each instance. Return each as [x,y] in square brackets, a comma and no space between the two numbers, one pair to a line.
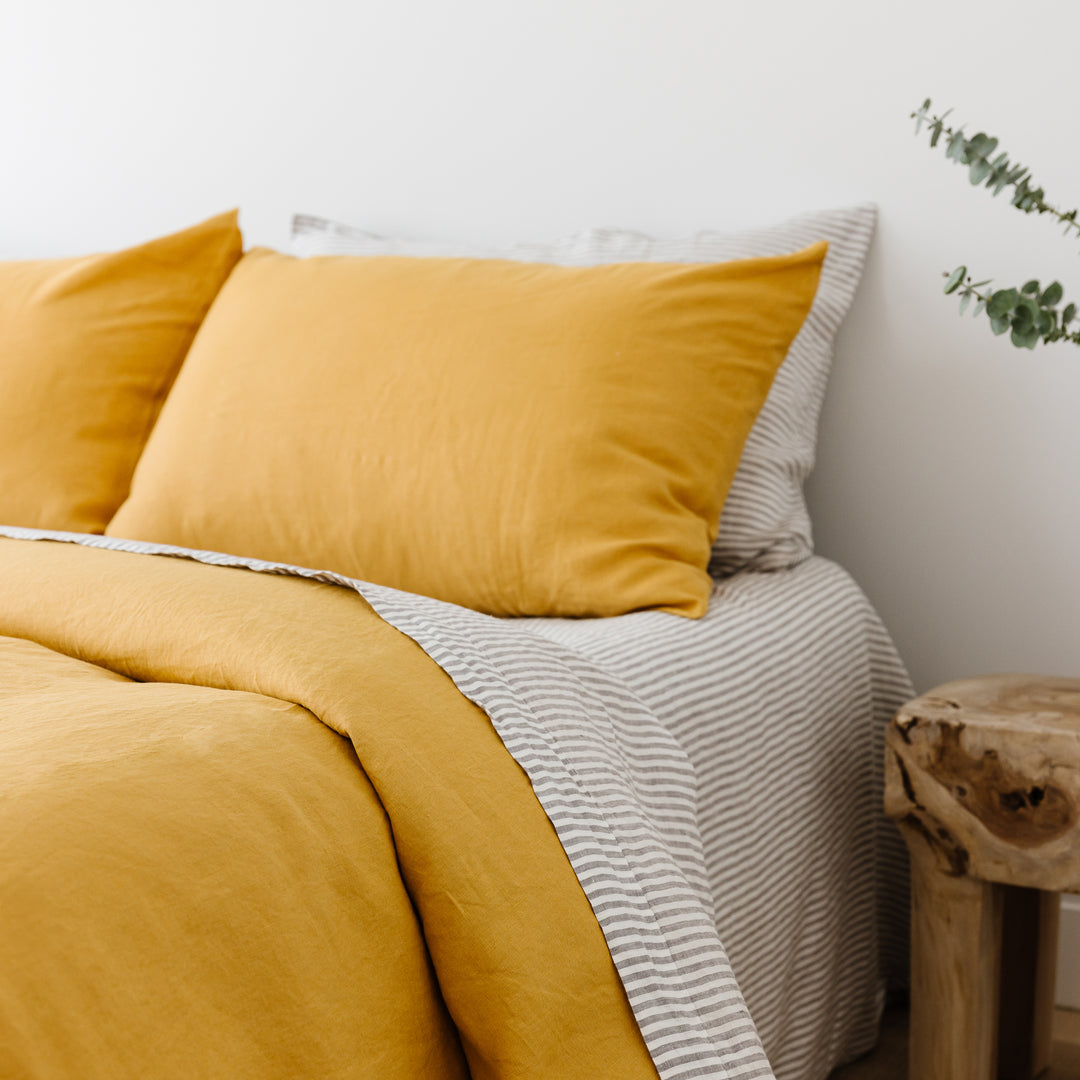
[521,439]
[88,350]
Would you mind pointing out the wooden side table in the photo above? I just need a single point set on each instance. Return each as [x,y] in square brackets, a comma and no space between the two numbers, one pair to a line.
[983,778]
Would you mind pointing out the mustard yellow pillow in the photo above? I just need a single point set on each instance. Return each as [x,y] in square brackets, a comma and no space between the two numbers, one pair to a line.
[518,438]
[88,350]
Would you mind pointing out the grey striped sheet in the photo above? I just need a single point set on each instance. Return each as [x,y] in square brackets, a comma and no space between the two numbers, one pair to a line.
[722,773]
[765,524]
[780,696]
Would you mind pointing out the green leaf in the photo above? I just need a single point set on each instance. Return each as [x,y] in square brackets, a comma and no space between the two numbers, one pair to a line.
[954,280]
[1068,314]
[980,170]
[1002,302]
[1027,339]
[980,307]
[1052,295]
[980,284]
[1044,323]
[1023,319]
[965,301]
[955,146]
[935,132]
[1030,287]
[999,324]
[998,181]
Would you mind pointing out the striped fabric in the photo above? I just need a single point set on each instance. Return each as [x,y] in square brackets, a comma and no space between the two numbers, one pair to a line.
[780,696]
[722,773]
[765,524]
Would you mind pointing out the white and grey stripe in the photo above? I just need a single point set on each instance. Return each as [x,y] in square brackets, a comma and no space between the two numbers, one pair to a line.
[780,696]
[765,524]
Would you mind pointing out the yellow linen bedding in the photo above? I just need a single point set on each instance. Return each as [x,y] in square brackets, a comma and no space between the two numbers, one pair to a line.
[247,829]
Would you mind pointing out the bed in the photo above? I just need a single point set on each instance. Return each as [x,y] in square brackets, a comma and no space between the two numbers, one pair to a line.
[265,820]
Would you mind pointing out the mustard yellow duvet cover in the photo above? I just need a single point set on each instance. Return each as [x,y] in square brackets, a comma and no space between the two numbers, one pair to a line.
[249,830]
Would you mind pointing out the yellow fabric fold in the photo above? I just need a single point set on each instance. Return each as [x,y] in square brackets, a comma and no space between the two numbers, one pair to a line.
[250,830]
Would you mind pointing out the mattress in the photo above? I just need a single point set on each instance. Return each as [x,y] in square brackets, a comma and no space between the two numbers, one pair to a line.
[780,695]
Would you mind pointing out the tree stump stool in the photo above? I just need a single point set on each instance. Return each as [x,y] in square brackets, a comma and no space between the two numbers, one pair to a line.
[983,778]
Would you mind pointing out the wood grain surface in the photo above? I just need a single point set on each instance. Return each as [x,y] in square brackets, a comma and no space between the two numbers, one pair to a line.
[983,778]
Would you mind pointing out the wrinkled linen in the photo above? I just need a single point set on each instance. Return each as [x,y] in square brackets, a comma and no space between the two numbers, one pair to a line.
[251,830]
[781,695]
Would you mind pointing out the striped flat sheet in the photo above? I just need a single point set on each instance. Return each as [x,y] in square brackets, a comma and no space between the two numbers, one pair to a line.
[624,785]
[780,696]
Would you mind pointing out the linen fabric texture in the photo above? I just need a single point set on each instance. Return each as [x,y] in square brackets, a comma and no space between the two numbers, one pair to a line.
[88,350]
[615,784]
[518,438]
[280,843]
[786,687]
[765,524]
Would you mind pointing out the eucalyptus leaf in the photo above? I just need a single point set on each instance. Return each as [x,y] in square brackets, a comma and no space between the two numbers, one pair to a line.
[1030,288]
[1027,339]
[955,146]
[1023,319]
[965,301]
[954,280]
[1068,314]
[1002,302]
[999,324]
[1053,294]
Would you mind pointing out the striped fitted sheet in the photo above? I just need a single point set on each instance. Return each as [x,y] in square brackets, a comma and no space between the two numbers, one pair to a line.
[633,733]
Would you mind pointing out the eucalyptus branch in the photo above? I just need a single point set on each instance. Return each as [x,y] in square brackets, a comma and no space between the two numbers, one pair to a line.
[997,172]
[1030,312]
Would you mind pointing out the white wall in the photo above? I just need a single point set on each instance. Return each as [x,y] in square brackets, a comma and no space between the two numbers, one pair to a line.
[949,478]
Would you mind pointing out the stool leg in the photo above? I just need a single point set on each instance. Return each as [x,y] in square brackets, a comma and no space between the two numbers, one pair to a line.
[1028,969]
[955,972]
